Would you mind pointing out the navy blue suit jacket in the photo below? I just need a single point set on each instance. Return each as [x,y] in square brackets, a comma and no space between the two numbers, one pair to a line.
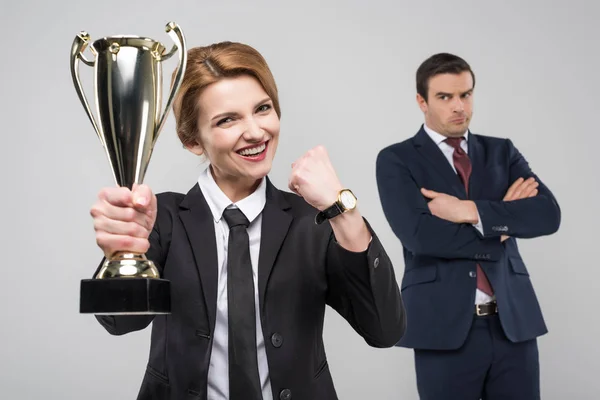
[440,257]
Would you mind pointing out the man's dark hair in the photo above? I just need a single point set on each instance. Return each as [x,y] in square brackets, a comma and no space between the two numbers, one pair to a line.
[441,63]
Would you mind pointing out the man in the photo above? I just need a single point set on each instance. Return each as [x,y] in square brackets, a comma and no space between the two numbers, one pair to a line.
[458,201]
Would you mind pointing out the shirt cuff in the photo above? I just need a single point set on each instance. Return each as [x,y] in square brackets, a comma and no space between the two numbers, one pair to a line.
[479,224]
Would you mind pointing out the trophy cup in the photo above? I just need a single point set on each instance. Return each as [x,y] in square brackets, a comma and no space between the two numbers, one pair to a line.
[128,94]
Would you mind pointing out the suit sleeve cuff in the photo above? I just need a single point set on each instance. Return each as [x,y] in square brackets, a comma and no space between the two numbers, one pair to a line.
[359,263]
[491,223]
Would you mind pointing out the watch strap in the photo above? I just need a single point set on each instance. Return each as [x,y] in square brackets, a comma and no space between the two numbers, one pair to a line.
[328,213]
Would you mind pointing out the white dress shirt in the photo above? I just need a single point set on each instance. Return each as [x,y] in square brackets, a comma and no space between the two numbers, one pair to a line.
[448,151]
[252,207]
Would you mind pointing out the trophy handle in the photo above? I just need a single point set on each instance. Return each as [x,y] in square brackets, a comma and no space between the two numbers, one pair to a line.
[177,36]
[79,45]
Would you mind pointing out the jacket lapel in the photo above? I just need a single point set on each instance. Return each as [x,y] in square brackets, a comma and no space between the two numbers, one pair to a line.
[436,158]
[477,156]
[198,223]
[275,225]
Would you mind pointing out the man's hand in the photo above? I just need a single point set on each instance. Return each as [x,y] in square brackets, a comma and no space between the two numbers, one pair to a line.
[451,208]
[520,189]
[459,211]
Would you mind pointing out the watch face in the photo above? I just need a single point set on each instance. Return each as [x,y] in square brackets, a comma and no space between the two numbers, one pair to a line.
[347,199]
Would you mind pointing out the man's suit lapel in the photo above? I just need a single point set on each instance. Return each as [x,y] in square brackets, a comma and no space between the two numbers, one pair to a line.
[434,155]
[199,225]
[275,225]
[477,156]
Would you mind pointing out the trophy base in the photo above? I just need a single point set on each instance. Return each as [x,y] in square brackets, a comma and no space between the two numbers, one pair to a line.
[125,296]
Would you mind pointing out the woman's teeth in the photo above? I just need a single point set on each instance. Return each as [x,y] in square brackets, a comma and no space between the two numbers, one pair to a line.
[253,151]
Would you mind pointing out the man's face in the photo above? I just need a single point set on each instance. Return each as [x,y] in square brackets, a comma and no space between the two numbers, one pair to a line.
[449,106]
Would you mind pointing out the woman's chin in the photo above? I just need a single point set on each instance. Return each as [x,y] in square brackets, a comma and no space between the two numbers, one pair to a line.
[252,176]
[258,170]
[261,172]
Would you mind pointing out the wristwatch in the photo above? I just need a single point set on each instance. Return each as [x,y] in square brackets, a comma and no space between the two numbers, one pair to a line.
[346,201]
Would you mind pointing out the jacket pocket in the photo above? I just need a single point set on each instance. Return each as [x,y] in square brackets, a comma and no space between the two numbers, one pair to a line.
[518,266]
[203,333]
[322,368]
[158,375]
[419,275]
[193,395]
[322,386]
[155,386]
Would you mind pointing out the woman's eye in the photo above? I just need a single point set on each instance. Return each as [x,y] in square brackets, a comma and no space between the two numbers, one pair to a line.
[264,107]
[224,121]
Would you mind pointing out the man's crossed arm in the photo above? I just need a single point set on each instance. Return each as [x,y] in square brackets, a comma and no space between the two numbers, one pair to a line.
[452,209]
[425,227]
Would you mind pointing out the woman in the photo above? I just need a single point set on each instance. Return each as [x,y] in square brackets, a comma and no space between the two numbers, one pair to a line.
[234,239]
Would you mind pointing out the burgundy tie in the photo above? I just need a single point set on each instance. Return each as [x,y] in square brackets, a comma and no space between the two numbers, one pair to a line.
[463,167]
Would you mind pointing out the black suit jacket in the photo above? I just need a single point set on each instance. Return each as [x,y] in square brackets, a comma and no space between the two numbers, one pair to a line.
[438,286]
[301,269]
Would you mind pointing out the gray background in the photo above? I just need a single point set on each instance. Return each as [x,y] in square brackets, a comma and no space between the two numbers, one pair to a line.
[345,71]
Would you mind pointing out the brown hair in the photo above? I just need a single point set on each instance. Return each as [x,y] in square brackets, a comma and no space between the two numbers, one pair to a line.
[210,64]
[441,63]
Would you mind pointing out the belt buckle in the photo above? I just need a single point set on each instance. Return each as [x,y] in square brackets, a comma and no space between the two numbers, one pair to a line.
[478,310]
[482,314]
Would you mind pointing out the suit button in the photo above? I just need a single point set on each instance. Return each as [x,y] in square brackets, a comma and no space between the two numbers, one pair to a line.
[285,394]
[276,339]
[376,262]
[472,274]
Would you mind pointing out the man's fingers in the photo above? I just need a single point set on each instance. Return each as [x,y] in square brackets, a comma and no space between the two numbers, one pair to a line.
[520,189]
[429,193]
[523,190]
[530,190]
[511,190]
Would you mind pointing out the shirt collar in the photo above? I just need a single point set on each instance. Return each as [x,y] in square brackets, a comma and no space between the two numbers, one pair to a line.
[218,201]
[438,138]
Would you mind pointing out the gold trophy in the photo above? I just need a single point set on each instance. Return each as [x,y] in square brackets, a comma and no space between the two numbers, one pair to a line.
[128,94]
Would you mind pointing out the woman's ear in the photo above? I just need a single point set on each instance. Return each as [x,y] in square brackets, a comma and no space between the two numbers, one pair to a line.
[195,147]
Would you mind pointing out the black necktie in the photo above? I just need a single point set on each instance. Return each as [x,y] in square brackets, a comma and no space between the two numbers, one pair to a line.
[244,380]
